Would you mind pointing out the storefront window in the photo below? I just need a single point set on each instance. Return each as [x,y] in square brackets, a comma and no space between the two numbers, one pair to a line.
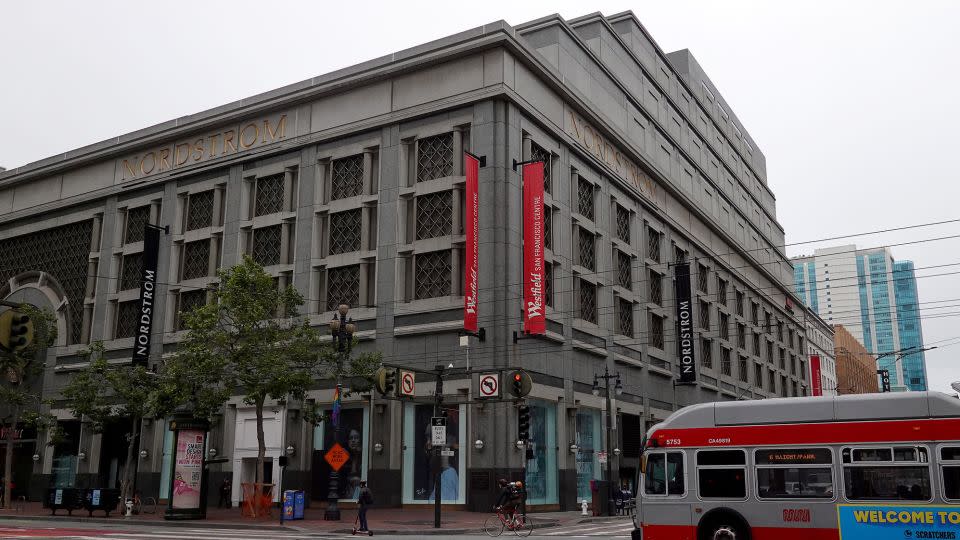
[353,437]
[542,469]
[419,457]
[588,444]
[64,467]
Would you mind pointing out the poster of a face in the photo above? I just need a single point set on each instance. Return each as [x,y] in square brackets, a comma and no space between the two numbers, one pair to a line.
[423,480]
[188,469]
[351,438]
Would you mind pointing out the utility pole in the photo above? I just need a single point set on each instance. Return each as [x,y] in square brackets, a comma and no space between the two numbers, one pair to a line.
[618,388]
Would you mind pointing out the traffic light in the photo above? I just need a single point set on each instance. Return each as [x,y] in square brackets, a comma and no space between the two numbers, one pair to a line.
[884,380]
[16,330]
[520,383]
[523,423]
[386,380]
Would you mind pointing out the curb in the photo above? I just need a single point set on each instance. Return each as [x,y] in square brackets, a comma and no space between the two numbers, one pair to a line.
[545,524]
[119,520]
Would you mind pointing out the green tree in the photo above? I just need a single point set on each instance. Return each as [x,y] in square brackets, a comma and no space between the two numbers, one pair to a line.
[105,393]
[20,372]
[251,340]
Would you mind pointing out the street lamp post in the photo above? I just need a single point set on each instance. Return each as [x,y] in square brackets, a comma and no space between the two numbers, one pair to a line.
[341,328]
[618,388]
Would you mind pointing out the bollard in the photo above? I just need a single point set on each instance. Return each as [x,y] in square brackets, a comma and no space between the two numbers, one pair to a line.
[583,508]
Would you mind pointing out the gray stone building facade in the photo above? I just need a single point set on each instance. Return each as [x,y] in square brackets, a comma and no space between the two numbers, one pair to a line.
[349,186]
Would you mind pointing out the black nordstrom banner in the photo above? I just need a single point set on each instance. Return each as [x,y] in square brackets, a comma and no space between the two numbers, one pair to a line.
[685,348]
[148,285]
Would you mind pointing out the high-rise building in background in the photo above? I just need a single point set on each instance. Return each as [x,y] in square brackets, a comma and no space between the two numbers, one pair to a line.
[875,298]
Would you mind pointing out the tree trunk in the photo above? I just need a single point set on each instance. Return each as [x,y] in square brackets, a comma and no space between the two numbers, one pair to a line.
[261,454]
[8,460]
[126,482]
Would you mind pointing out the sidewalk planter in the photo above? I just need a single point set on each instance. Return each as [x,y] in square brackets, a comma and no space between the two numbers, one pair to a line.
[257,500]
[101,499]
[68,499]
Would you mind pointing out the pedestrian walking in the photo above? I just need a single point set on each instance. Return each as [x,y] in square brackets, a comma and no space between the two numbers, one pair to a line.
[365,500]
[226,490]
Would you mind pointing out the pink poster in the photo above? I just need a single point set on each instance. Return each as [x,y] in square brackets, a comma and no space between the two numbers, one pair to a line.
[188,468]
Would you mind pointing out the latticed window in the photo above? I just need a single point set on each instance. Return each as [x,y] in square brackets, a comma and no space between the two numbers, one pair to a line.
[793,364]
[624,270]
[656,287]
[741,336]
[758,375]
[779,330]
[722,291]
[756,344]
[538,153]
[656,331]
[548,284]
[585,198]
[588,301]
[434,215]
[345,231]
[625,317]
[739,303]
[346,177]
[704,312]
[266,245]
[766,322]
[269,195]
[187,302]
[707,354]
[343,286]
[653,245]
[200,210]
[783,385]
[128,313]
[679,255]
[62,252]
[724,326]
[433,274]
[742,369]
[137,219]
[783,360]
[703,278]
[196,259]
[770,352]
[547,227]
[755,313]
[772,376]
[131,271]
[435,157]
[725,367]
[803,368]
[586,254]
[623,224]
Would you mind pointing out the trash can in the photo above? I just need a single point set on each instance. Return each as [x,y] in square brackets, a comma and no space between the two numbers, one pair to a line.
[600,491]
[69,499]
[293,502]
[299,501]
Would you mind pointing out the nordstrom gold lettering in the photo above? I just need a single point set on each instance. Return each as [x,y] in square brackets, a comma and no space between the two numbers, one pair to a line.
[593,142]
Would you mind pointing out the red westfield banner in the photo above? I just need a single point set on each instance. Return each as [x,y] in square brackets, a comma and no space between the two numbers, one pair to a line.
[471,273]
[534,313]
[815,380]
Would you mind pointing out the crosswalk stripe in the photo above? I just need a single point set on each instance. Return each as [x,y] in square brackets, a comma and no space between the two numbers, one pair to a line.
[588,529]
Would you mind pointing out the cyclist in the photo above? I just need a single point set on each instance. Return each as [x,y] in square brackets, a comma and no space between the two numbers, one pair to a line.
[511,496]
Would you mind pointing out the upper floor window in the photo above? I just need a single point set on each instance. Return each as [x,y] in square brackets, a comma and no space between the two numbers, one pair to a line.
[269,195]
[653,244]
[624,270]
[137,219]
[347,177]
[587,300]
[435,157]
[586,249]
[623,224]
[434,214]
[199,210]
[433,274]
[538,153]
[585,199]
[346,231]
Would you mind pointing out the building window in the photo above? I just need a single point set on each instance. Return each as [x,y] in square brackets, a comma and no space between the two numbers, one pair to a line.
[548,283]
[623,224]
[625,317]
[435,157]
[346,231]
[783,385]
[724,326]
[343,286]
[434,215]
[755,313]
[624,270]
[770,352]
[656,287]
[766,322]
[742,336]
[586,256]
[772,376]
[679,255]
[538,153]
[742,368]
[725,367]
[269,198]
[721,291]
[347,177]
[704,312]
[128,314]
[266,245]
[703,277]
[200,210]
[783,360]
[721,474]
[433,274]
[739,303]
[588,301]
[196,259]
[131,271]
[547,227]
[780,331]
[656,331]
[756,344]
[188,301]
[137,219]
[706,346]
[758,376]
[585,198]
[653,244]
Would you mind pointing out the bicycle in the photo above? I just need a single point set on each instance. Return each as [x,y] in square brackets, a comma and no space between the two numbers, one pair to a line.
[519,523]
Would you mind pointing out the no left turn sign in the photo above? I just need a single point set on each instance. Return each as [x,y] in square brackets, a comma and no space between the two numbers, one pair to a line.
[489,385]
[407,383]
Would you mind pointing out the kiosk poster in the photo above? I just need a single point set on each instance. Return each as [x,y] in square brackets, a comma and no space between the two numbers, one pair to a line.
[882,522]
[188,468]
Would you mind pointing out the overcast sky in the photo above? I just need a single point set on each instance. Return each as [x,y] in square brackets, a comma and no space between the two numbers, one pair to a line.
[854,104]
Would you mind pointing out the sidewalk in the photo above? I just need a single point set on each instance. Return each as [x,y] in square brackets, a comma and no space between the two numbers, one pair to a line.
[402,521]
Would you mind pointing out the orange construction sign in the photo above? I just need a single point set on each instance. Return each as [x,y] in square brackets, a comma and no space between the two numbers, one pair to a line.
[337,456]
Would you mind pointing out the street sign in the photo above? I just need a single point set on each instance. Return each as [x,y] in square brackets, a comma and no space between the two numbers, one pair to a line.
[439,430]
[408,383]
[602,457]
[337,456]
[489,385]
